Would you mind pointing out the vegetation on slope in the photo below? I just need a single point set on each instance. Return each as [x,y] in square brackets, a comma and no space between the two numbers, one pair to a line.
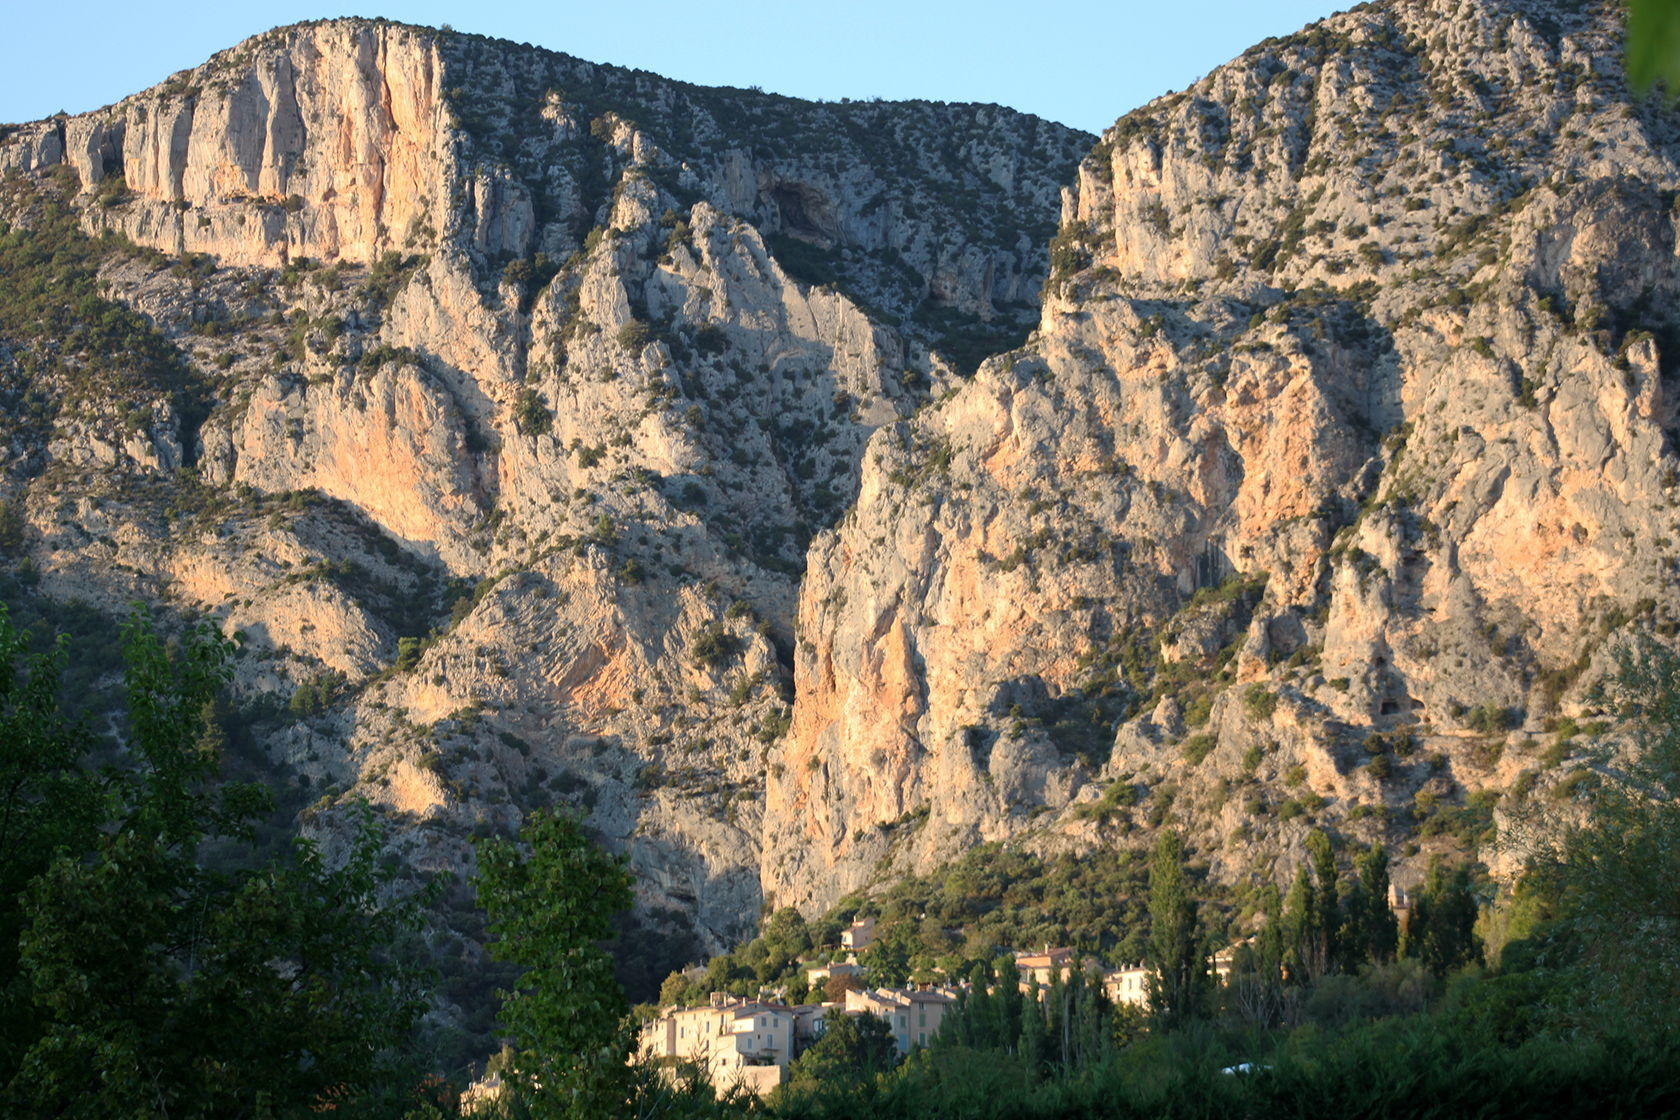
[63,344]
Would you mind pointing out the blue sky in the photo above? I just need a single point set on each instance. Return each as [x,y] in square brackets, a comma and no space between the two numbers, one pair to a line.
[1082,62]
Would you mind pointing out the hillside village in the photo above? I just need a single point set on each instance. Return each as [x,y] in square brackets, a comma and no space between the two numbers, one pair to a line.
[749,1043]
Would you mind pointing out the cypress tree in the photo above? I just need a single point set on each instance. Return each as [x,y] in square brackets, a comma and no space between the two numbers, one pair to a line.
[1300,934]
[1442,931]
[1328,952]
[1035,1042]
[1268,944]
[1379,932]
[1056,1015]
[1007,1014]
[1089,1015]
[1179,970]
[976,1026]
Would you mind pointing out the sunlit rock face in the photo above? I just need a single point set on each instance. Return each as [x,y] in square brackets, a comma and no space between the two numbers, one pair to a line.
[548,433]
[516,388]
[1341,453]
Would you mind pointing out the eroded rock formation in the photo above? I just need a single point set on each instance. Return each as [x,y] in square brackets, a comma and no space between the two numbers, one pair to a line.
[1374,318]
[546,432]
[512,391]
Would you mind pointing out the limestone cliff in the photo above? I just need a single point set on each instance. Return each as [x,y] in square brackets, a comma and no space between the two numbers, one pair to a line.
[331,141]
[497,396]
[1344,442]
[546,432]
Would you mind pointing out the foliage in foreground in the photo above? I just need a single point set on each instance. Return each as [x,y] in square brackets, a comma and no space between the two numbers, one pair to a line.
[551,899]
[1423,1066]
[141,977]
[148,969]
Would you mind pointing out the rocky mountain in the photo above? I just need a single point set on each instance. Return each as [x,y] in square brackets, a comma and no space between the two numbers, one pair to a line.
[490,399]
[1344,444]
[545,432]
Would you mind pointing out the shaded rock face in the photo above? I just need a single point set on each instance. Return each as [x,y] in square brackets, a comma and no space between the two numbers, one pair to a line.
[1377,318]
[515,389]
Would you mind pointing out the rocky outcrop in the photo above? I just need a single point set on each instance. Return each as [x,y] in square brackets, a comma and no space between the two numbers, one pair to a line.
[549,433]
[331,141]
[1375,317]
[511,391]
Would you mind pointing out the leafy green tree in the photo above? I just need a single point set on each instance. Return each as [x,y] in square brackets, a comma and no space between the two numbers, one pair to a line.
[852,1048]
[550,900]
[1178,981]
[786,933]
[50,803]
[1610,878]
[145,982]
[887,960]
[1255,991]
[677,991]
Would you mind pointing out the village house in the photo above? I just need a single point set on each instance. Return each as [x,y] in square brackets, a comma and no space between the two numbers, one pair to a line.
[1226,958]
[913,1016]
[1127,987]
[859,935]
[821,973]
[1400,904]
[736,1042]
[1044,967]
[809,1022]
